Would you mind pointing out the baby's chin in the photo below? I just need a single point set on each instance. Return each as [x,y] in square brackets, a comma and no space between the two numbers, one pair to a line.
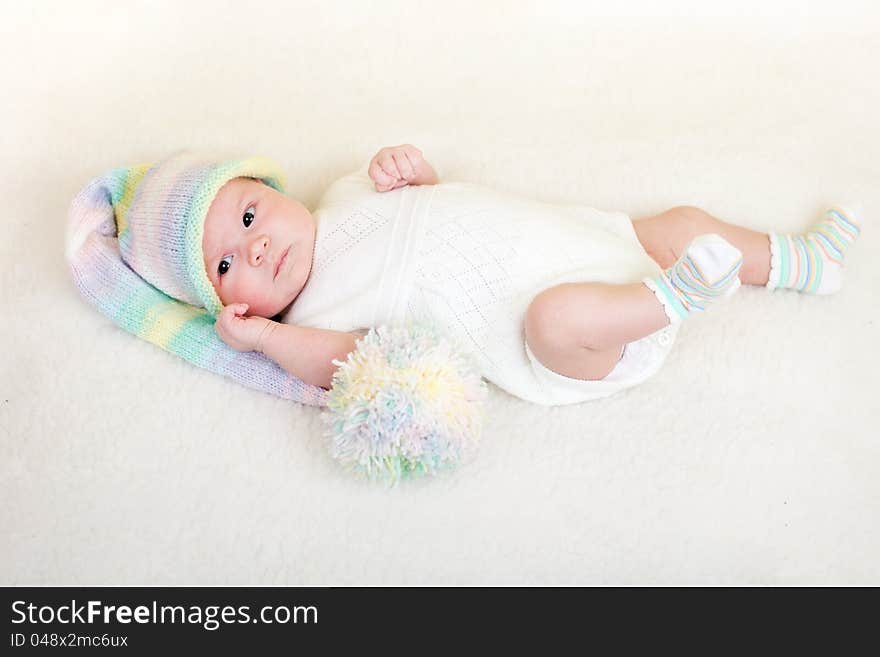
[281,312]
[265,311]
[272,311]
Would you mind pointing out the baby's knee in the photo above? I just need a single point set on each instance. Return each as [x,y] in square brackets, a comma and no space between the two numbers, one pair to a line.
[541,324]
[692,221]
[551,320]
[537,324]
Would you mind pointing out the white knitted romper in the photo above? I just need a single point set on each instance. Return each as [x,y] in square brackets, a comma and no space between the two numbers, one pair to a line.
[470,259]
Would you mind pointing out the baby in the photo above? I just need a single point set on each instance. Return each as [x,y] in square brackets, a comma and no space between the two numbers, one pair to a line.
[558,303]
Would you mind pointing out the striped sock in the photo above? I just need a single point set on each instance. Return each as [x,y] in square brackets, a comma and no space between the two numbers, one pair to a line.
[706,271]
[813,262]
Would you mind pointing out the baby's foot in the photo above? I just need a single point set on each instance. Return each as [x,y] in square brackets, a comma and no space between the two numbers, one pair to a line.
[706,271]
[813,262]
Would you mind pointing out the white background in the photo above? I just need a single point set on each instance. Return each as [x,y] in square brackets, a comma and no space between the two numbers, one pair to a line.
[750,458]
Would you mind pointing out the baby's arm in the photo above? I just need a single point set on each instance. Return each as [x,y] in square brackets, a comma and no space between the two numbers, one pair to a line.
[307,353]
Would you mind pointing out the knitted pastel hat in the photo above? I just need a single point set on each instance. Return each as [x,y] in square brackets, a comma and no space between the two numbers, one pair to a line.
[134,246]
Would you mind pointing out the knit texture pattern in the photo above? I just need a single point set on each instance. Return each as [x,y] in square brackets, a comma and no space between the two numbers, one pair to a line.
[484,257]
[134,247]
[813,262]
[708,270]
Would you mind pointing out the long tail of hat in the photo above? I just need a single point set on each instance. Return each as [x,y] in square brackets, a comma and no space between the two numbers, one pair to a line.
[92,251]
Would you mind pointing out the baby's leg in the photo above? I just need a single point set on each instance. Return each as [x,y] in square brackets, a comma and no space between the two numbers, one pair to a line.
[579,329]
[666,235]
[810,262]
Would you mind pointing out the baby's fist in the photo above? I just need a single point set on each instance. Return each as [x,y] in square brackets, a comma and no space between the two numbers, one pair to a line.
[240,332]
[395,166]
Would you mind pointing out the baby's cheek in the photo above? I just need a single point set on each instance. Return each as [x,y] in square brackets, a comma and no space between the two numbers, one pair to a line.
[261,302]
[232,292]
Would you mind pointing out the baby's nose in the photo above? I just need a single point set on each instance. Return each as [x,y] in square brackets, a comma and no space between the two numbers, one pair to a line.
[258,249]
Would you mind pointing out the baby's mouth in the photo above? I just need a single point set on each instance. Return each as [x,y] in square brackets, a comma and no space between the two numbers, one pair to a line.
[281,262]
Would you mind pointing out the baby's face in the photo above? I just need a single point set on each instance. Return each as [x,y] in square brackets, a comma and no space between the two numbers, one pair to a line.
[258,246]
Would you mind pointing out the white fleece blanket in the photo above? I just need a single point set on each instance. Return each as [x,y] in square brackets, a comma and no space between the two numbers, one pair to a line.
[752,457]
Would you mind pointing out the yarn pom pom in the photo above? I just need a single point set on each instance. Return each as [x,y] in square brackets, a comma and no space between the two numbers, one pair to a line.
[406,402]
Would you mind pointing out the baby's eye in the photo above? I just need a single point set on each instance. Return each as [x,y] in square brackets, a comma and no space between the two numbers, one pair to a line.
[224,265]
[248,217]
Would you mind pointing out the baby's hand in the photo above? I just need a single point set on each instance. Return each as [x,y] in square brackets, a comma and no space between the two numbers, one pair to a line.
[395,166]
[240,332]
